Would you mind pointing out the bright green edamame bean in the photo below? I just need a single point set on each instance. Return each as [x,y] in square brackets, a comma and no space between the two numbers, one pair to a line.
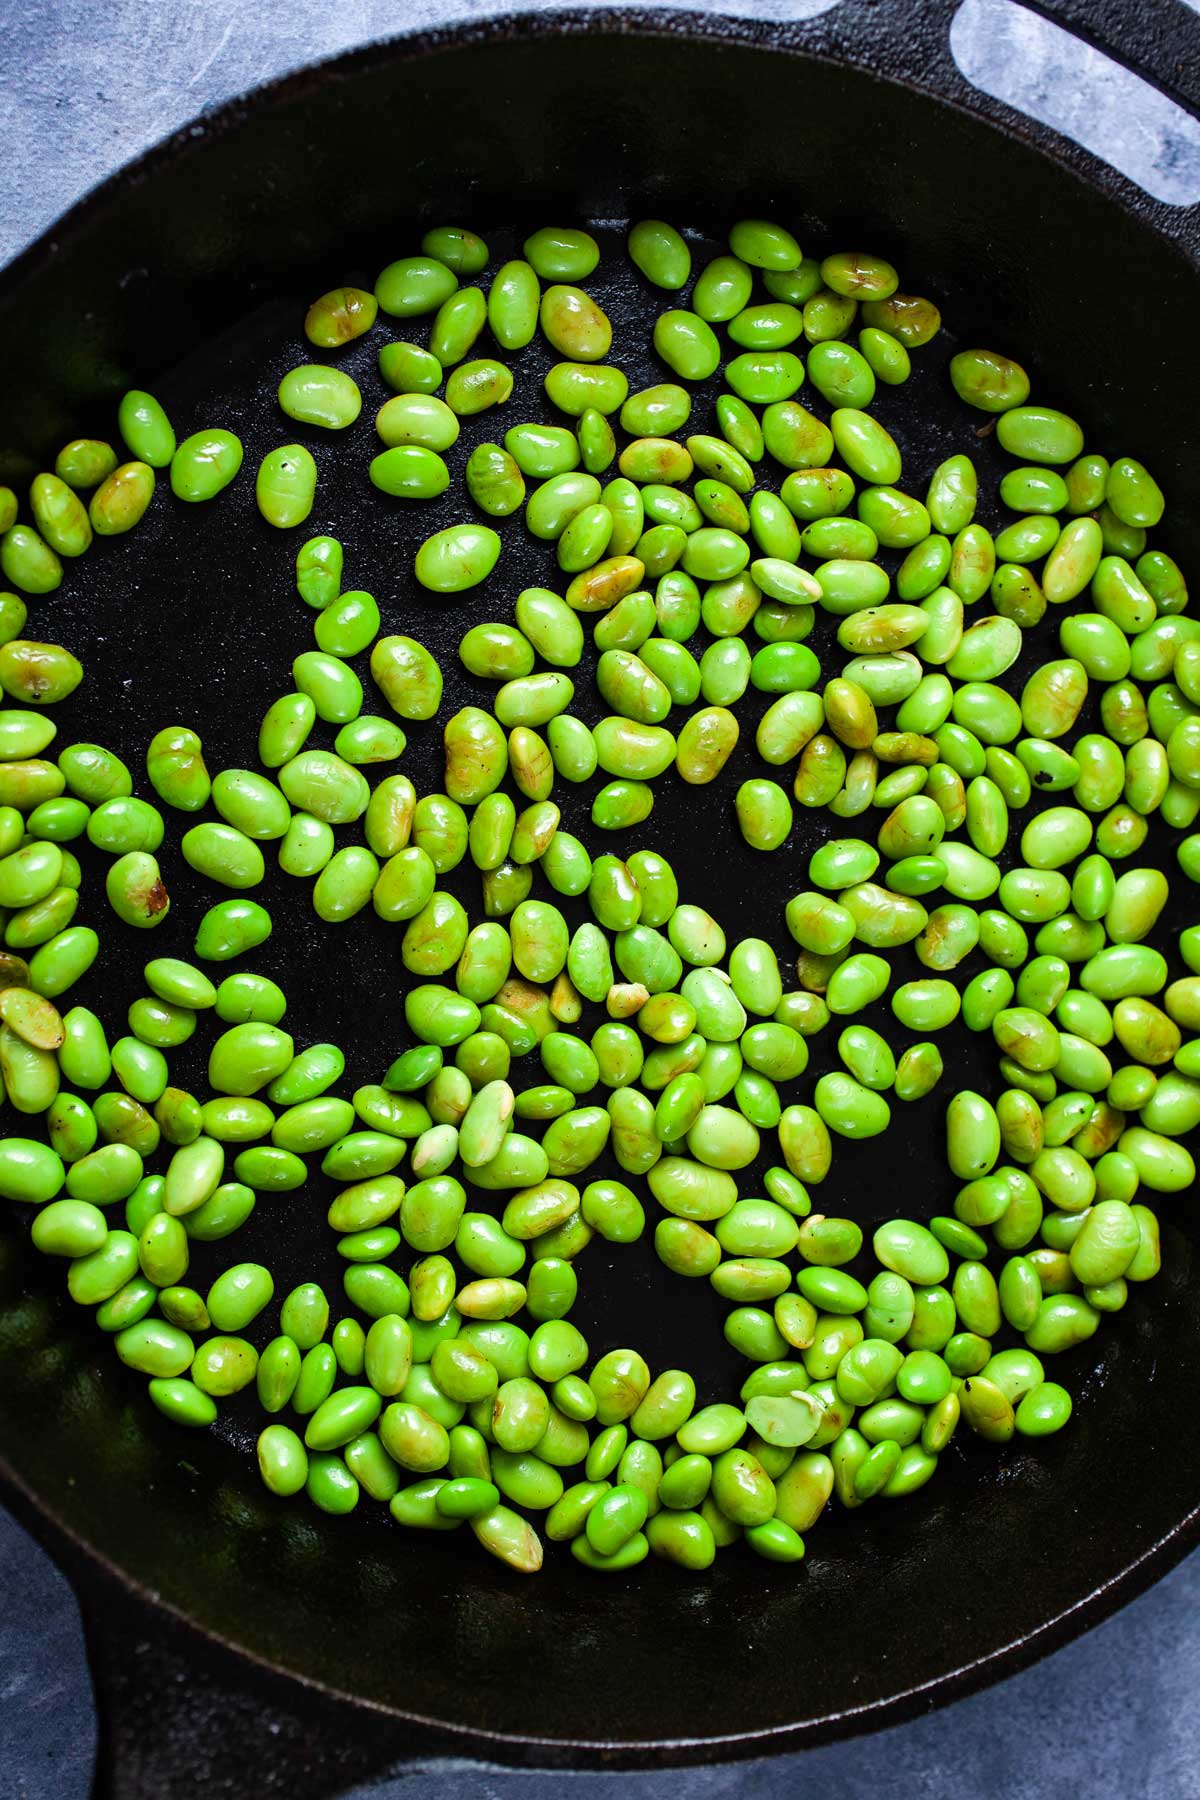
[204,464]
[457,558]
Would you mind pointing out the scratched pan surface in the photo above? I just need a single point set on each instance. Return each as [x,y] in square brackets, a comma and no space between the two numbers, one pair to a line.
[191,276]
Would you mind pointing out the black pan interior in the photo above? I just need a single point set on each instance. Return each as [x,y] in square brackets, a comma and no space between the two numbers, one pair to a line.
[192,278]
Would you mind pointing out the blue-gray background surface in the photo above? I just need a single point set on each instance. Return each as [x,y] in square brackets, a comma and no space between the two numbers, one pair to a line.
[86,86]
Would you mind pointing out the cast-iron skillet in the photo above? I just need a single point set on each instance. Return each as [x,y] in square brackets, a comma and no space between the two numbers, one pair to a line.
[243,1646]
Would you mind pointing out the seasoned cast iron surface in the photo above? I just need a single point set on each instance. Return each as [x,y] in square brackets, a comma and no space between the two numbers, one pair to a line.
[194,618]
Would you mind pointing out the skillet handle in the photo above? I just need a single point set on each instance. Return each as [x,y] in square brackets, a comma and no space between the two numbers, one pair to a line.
[1157,39]
[179,1713]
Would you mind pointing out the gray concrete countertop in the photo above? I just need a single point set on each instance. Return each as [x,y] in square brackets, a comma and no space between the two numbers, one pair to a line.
[85,89]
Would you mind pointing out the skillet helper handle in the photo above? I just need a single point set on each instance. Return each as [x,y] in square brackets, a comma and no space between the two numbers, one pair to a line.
[1157,42]
[1157,39]
[179,1714]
